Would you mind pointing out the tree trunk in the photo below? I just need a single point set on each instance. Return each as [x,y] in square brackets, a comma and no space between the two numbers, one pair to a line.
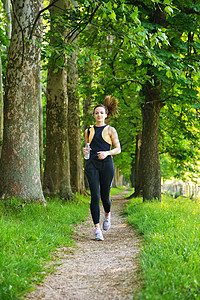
[6,5]
[151,175]
[114,182]
[87,104]
[132,175]
[41,131]
[137,170]
[76,163]
[88,100]
[20,167]
[57,167]
[1,107]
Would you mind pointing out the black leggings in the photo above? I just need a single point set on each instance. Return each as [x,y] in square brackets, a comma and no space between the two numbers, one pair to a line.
[99,174]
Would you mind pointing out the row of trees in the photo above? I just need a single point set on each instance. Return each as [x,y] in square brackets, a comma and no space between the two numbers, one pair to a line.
[145,53]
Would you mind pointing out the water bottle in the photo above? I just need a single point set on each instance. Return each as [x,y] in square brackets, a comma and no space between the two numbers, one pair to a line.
[87,155]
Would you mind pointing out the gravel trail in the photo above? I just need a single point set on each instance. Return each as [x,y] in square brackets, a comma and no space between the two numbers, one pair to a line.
[96,270]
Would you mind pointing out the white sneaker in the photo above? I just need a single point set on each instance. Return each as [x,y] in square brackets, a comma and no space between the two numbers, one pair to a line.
[98,234]
[106,223]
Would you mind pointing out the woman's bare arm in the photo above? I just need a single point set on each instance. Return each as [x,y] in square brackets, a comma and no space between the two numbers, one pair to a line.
[85,149]
[115,141]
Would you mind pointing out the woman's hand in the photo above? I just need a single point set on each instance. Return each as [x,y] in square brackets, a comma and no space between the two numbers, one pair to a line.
[102,154]
[85,150]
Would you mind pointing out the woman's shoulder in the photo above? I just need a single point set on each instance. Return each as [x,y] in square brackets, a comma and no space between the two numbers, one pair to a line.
[111,129]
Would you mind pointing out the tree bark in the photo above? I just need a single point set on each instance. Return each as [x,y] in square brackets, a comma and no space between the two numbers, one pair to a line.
[76,163]
[20,167]
[1,107]
[87,103]
[151,175]
[88,100]
[8,28]
[41,131]
[116,180]
[57,167]
[137,169]
[132,175]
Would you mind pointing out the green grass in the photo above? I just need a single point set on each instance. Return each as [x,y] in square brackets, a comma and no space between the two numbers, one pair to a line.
[170,257]
[116,190]
[28,236]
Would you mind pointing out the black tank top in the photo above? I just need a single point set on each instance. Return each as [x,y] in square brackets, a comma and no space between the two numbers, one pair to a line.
[98,143]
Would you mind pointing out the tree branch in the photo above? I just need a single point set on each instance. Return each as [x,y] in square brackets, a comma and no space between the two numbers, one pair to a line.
[71,38]
[38,16]
[113,60]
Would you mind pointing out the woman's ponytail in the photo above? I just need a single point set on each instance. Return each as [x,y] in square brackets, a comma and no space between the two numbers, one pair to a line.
[110,104]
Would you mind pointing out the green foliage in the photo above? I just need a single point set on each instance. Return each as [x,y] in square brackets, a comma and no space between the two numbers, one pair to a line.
[171,254]
[110,64]
[29,235]
[179,141]
[56,44]
[118,42]
[3,38]
[115,55]
[4,41]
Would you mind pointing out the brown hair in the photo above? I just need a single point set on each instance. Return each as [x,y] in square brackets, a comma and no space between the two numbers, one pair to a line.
[110,105]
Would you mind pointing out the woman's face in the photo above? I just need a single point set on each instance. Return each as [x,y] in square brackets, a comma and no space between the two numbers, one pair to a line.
[100,114]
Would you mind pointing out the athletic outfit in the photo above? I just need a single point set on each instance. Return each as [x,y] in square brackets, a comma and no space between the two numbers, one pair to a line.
[99,172]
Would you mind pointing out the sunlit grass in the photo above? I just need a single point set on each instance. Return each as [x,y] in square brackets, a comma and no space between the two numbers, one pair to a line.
[170,257]
[116,190]
[28,236]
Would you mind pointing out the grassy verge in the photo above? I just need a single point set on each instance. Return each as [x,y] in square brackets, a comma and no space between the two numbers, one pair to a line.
[28,237]
[113,190]
[116,190]
[170,257]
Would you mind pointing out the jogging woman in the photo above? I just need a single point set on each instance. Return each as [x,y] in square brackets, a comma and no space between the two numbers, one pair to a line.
[99,167]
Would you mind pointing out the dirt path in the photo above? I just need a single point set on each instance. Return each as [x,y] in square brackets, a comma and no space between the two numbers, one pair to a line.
[96,270]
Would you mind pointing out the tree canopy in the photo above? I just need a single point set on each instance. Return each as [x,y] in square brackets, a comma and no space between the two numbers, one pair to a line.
[146,54]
